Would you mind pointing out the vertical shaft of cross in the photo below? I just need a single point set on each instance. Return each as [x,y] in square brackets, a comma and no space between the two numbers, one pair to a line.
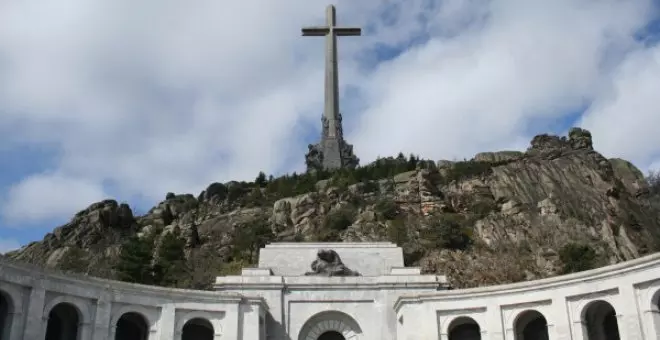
[331,109]
[332,151]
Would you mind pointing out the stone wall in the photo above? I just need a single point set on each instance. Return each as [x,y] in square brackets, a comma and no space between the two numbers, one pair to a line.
[31,294]
[565,307]
[570,306]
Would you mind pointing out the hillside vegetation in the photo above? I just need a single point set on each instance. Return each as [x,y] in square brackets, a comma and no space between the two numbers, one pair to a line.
[500,217]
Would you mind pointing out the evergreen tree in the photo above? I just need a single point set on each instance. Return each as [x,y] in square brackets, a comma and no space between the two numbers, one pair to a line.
[135,258]
[251,237]
[170,265]
[261,180]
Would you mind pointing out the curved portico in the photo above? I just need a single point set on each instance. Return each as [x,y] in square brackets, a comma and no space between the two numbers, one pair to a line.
[385,303]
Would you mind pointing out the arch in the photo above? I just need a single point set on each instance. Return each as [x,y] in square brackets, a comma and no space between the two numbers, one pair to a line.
[530,325]
[82,307]
[599,321]
[464,328]
[197,329]
[131,326]
[64,321]
[330,321]
[214,321]
[149,317]
[7,308]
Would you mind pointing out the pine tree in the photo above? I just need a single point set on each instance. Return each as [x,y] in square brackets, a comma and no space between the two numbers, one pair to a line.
[261,180]
[170,265]
[134,263]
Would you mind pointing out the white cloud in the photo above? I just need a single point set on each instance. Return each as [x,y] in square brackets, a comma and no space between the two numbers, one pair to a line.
[625,120]
[46,196]
[169,96]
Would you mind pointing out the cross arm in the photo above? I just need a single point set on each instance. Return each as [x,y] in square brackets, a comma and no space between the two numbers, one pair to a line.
[347,31]
[315,31]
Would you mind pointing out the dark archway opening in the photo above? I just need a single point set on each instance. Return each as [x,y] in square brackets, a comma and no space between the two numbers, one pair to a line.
[63,322]
[6,310]
[601,322]
[464,328]
[132,326]
[531,325]
[197,329]
[331,335]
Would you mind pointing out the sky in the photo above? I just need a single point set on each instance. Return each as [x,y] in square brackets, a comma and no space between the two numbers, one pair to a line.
[131,100]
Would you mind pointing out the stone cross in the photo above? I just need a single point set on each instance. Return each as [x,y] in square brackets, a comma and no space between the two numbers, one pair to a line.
[331,32]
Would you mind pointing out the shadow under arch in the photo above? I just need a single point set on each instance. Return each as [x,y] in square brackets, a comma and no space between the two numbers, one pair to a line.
[530,324]
[64,321]
[198,329]
[7,308]
[655,310]
[132,326]
[464,328]
[328,322]
[599,321]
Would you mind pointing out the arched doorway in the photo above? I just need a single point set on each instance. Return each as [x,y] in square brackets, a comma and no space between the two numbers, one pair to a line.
[329,325]
[331,335]
[6,310]
[63,322]
[132,326]
[531,325]
[464,328]
[197,329]
[600,322]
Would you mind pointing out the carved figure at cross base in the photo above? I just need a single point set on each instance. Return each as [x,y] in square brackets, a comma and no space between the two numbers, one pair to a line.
[328,263]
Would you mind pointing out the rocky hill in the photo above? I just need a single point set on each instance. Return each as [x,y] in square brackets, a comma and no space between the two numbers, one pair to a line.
[501,217]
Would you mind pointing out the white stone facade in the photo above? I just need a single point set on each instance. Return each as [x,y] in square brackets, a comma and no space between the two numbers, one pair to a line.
[388,302]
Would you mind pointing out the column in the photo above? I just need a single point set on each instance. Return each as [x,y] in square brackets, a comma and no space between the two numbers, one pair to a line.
[559,319]
[627,314]
[102,319]
[494,323]
[167,322]
[15,322]
[35,321]
[232,329]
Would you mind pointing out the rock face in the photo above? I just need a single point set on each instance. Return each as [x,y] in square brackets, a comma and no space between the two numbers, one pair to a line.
[501,217]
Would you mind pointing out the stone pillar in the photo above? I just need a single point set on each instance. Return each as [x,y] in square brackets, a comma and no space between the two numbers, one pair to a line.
[651,322]
[250,321]
[35,321]
[167,323]
[101,328]
[85,331]
[231,329]
[627,314]
[15,322]
[493,323]
[561,326]
[579,329]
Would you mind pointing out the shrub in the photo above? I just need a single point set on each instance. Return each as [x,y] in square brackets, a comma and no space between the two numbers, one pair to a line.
[577,257]
[449,231]
[387,208]
[397,232]
[340,219]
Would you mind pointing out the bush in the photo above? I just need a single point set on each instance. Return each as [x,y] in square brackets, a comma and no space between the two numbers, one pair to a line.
[577,257]
[387,208]
[449,231]
[135,259]
[170,266]
[340,219]
[397,232]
